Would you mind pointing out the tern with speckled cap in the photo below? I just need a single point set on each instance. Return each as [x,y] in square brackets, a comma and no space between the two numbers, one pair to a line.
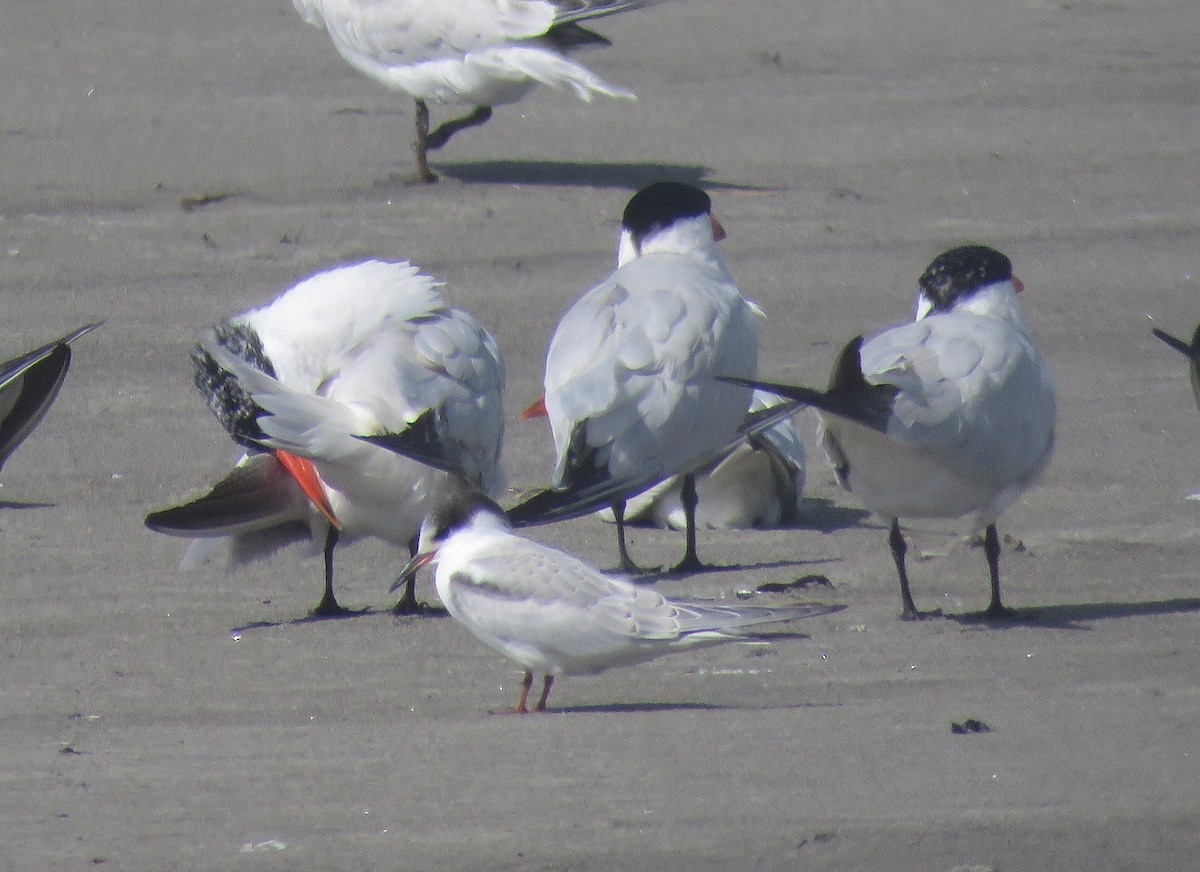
[949,415]
[552,613]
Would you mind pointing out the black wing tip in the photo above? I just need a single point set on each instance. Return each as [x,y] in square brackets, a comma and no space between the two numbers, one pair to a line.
[398,443]
[421,441]
[81,331]
[1191,350]
[847,372]
[570,34]
[545,507]
[160,521]
[796,393]
[58,349]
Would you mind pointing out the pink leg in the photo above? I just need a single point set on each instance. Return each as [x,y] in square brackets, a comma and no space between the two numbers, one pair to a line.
[526,683]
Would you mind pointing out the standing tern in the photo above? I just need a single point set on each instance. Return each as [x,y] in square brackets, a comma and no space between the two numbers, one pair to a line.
[757,485]
[629,385]
[481,53]
[952,414]
[554,614]
[28,387]
[370,348]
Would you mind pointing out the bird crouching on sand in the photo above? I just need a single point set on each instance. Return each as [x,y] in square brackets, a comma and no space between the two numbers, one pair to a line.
[759,484]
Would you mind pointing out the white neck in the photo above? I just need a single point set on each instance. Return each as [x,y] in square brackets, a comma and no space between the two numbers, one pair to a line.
[688,236]
[995,301]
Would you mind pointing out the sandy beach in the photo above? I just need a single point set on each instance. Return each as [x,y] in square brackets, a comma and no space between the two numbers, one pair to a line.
[167,165]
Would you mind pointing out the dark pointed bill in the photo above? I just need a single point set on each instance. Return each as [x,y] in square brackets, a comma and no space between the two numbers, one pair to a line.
[412,568]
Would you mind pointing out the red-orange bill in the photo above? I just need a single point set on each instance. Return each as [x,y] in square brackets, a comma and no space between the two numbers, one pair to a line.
[305,474]
[536,409]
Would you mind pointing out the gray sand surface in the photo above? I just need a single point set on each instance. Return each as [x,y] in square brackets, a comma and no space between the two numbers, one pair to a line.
[845,145]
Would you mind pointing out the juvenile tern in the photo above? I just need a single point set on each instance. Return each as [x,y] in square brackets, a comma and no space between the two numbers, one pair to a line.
[480,53]
[371,348]
[629,384]
[952,414]
[28,387]
[554,614]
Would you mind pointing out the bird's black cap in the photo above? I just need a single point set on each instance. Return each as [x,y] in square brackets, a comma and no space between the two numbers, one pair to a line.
[662,204]
[960,272]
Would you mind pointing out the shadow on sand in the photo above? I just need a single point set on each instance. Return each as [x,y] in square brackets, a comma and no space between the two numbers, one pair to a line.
[6,504]
[826,516]
[430,610]
[659,574]
[552,173]
[632,708]
[1077,616]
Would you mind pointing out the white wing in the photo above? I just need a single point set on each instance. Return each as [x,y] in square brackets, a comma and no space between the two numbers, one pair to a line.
[404,32]
[445,363]
[307,331]
[486,52]
[973,390]
[634,358]
[553,613]
[549,611]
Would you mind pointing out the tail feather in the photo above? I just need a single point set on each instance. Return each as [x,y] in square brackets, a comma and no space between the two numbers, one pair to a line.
[850,395]
[583,10]
[552,69]
[696,617]
[257,494]
[307,425]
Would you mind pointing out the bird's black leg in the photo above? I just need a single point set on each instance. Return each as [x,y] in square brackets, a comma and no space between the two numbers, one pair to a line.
[627,564]
[991,549]
[408,604]
[547,683]
[439,137]
[899,547]
[689,499]
[328,607]
[618,510]
[421,146]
